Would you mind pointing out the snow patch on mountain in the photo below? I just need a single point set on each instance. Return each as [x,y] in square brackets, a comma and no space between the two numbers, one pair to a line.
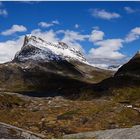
[107,67]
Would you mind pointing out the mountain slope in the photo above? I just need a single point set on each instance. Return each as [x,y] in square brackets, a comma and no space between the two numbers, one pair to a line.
[127,75]
[132,68]
[124,86]
[41,66]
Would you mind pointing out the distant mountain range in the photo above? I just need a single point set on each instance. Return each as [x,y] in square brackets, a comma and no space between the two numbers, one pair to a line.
[111,67]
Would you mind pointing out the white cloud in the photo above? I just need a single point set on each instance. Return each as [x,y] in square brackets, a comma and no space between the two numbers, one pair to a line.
[72,35]
[130,10]
[96,35]
[14,29]
[73,38]
[3,12]
[96,27]
[108,49]
[134,34]
[48,24]
[55,22]
[9,48]
[103,14]
[49,36]
[76,26]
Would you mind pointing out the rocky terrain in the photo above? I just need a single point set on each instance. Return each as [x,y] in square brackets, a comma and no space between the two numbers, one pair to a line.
[8,131]
[124,133]
[55,117]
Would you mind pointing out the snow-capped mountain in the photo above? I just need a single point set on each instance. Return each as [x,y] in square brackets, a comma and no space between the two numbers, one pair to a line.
[38,49]
[107,67]
[41,66]
[114,67]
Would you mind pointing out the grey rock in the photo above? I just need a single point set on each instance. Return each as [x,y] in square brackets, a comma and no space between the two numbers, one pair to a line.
[11,132]
[122,133]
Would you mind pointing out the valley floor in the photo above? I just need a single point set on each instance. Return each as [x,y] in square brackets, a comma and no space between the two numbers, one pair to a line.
[55,117]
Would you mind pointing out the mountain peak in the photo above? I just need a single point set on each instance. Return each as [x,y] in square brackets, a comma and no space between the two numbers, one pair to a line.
[32,39]
[137,55]
[36,48]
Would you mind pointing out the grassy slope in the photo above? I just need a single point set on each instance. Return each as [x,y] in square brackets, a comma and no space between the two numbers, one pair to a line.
[52,77]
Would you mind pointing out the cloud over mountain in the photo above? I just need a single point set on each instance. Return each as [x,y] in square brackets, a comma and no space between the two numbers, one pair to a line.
[15,28]
[133,35]
[103,14]
[48,24]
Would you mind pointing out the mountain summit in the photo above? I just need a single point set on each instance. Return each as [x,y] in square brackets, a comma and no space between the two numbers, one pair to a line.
[35,48]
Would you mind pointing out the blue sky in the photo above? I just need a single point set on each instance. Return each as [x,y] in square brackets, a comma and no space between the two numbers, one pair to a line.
[106,32]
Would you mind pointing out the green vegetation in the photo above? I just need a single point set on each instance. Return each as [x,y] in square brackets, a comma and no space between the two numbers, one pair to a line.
[9,101]
[127,94]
